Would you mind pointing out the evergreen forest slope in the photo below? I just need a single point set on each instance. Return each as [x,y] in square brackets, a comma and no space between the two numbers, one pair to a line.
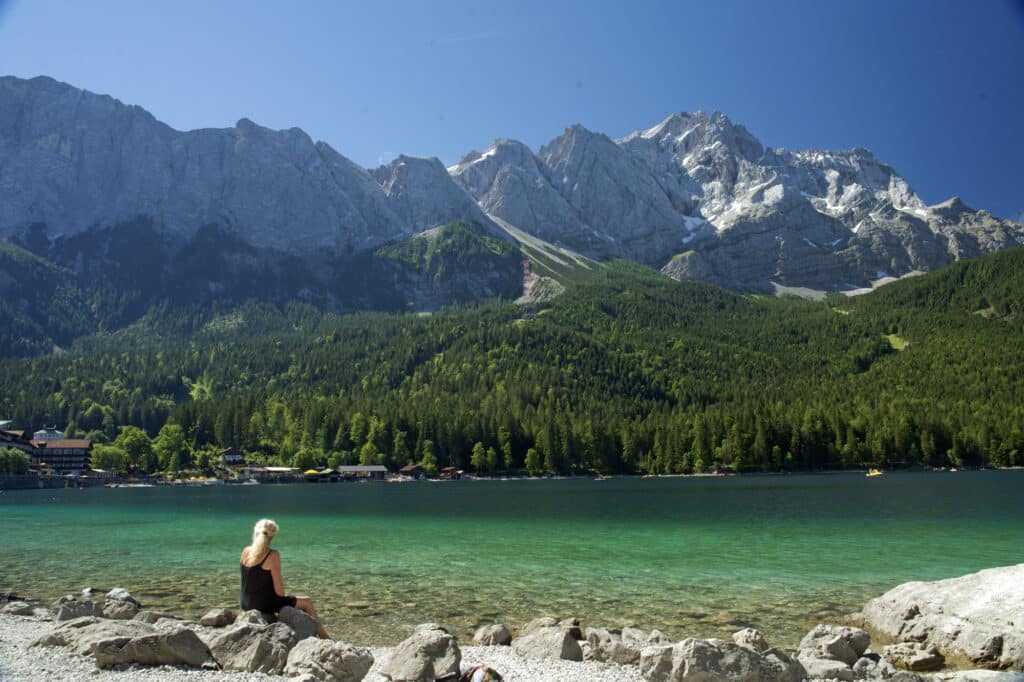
[627,371]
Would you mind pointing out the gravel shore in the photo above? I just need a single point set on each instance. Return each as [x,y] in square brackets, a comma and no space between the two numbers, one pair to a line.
[19,663]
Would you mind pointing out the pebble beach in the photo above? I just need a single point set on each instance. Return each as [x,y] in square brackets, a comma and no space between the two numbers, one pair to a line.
[20,663]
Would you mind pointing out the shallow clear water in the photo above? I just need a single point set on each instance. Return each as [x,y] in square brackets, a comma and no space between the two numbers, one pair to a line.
[694,556]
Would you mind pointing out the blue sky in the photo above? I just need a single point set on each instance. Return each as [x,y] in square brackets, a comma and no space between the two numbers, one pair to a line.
[933,87]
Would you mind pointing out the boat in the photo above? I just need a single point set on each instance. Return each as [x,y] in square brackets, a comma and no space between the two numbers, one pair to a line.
[874,472]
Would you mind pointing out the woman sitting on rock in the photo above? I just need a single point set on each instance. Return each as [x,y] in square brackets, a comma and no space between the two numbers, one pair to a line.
[262,586]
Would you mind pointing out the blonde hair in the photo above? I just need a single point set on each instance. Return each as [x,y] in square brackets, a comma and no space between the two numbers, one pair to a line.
[262,533]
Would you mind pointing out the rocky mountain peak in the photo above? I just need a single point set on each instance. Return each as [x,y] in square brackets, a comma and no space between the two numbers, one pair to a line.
[694,185]
[423,195]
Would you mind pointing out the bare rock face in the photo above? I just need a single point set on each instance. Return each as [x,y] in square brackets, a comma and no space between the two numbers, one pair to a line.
[977,618]
[74,159]
[508,182]
[423,196]
[696,195]
[623,203]
[702,198]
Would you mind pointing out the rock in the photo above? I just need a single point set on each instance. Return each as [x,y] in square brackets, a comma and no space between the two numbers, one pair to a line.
[285,188]
[218,618]
[118,609]
[492,635]
[80,634]
[18,608]
[180,647]
[615,646]
[538,624]
[430,653]
[548,642]
[778,666]
[914,656]
[251,616]
[693,183]
[836,643]
[751,639]
[656,663]
[704,660]
[299,621]
[252,647]
[334,661]
[873,667]
[572,626]
[637,637]
[826,669]
[121,594]
[72,606]
[152,617]
[976,618]
[658,637]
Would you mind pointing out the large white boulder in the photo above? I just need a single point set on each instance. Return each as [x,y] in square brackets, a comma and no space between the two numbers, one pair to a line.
[977,619]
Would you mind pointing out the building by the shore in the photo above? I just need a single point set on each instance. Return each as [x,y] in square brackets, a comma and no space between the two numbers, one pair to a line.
[63,456]
[370,472]
[55,455]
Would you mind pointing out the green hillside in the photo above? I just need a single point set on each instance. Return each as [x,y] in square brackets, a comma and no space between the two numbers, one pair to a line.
[627,371]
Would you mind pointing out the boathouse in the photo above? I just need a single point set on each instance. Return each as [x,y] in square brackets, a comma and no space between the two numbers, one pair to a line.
[370,472]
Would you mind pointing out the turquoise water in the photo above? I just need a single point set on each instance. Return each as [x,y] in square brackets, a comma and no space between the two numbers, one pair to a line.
[690,556]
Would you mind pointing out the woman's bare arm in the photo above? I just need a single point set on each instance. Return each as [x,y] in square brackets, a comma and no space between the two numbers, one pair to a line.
[273,564]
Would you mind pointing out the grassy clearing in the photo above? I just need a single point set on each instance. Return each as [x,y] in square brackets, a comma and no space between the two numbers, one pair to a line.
[896,341]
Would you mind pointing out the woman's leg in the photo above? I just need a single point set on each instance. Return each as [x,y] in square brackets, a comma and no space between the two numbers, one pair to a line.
[306,604]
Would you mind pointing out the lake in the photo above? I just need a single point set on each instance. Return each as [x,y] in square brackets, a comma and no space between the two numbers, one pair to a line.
[690,556]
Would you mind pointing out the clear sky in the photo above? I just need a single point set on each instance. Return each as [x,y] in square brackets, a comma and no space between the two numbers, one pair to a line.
[933,87]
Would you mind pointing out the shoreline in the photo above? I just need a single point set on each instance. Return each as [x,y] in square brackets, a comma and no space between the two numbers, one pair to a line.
[908,628]
[18,482]
[20,663]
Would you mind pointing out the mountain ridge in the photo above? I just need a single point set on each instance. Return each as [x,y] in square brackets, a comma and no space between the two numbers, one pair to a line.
[696,195]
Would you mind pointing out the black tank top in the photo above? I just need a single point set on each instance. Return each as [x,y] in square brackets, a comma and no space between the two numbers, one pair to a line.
[258,589]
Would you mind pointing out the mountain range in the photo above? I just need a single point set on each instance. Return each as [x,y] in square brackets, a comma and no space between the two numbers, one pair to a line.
[695,196]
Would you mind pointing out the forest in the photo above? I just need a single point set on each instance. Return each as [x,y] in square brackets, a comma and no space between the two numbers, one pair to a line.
[626,372]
